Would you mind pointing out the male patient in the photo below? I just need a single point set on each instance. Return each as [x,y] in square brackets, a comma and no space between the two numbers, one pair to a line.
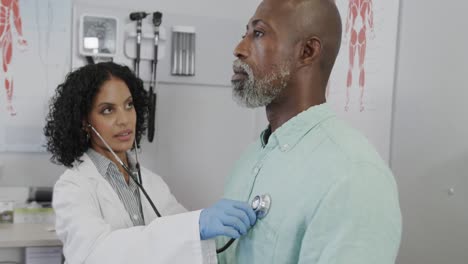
[334,201]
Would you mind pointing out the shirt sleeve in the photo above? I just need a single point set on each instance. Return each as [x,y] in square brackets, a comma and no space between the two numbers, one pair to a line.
[357,222]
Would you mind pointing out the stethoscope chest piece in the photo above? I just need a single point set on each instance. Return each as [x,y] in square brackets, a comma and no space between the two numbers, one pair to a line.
[261,205]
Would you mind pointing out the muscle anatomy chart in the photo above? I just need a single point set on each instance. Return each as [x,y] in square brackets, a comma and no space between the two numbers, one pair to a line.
[361,85]
[10,22]
[359,22]
[35,40]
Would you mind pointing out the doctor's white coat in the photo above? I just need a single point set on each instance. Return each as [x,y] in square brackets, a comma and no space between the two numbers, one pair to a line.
[94,226]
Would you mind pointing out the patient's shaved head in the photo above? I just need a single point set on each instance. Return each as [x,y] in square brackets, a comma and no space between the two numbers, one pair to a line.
[304,19]
[320,18]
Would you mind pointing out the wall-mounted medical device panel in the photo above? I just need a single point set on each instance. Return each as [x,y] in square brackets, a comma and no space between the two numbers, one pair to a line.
[183,51]
[98,35]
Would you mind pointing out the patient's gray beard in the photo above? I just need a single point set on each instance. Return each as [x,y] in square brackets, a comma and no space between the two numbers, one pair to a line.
[253,93]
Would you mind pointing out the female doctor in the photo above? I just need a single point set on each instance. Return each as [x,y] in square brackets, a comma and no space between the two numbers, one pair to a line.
[101,215]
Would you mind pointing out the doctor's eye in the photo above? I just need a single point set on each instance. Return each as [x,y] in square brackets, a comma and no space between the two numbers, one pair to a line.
[106,111]
[130,105]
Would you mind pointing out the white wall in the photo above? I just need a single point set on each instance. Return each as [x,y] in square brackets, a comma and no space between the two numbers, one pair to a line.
[200,131]
[430,149]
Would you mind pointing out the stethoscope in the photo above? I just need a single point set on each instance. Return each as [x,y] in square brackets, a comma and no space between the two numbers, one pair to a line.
[260,203]
[130,173]
[261,206]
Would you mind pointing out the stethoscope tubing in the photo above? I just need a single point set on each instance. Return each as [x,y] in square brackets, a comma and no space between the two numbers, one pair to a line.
[261,210]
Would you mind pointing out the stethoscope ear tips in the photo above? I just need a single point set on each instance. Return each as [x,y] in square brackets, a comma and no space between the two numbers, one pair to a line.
[261,205]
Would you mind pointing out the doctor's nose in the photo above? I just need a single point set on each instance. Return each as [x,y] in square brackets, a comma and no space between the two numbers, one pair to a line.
[123,118]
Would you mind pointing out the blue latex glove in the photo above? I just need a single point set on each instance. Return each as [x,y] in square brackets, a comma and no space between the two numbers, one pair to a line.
[226,218]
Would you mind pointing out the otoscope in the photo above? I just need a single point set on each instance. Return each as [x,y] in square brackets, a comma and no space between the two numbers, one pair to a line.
[157,17]
[138,17]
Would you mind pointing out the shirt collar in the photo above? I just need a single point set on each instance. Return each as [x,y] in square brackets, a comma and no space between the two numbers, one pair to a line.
[290,133]
[103,164]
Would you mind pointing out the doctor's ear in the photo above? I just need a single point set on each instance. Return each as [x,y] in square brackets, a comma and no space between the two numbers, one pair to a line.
[85,126]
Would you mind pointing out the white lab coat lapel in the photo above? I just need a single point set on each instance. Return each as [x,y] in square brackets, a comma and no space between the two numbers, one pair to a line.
[107,195]
[174,238]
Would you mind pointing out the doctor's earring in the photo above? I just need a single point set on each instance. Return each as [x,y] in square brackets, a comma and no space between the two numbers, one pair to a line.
[86,133]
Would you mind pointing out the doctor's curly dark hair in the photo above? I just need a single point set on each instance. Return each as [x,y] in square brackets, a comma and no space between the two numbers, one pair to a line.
[71,104]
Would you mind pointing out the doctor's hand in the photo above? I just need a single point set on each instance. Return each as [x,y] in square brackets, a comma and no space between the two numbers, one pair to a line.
[226,218]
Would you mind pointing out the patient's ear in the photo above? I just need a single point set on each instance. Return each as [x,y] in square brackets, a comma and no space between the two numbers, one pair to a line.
[311,51]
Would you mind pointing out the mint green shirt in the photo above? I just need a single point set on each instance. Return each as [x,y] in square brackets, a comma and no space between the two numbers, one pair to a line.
[334,201]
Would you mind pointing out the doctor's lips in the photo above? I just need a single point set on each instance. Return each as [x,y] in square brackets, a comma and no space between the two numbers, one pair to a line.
[239,74]
[124,135]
